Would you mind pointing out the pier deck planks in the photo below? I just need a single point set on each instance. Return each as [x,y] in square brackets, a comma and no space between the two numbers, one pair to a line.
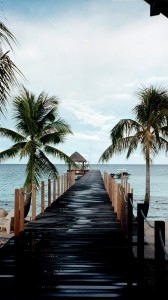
[74,250]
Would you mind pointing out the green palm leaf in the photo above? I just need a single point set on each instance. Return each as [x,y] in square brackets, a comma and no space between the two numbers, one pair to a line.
[36,124]
[59,154]
[11,152]
[8,78]
[6,36]
[14,136]
[148,131]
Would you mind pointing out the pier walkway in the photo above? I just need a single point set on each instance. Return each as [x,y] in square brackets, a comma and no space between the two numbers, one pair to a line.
[74,250]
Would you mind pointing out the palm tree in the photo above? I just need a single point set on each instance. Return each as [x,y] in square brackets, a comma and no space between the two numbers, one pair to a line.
[149,131]
[8,70]
[38,127]
[6,36]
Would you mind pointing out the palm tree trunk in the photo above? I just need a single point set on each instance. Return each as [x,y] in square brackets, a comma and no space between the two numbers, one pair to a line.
[27,201]
[147,193]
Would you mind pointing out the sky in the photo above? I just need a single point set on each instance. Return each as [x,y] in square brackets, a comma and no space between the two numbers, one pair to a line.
[93,55]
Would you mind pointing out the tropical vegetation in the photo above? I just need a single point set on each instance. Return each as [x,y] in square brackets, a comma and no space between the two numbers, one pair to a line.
[8,70]
[148,131]
[38,130]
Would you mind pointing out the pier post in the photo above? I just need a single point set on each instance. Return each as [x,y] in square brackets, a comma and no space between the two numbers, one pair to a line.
[33,201]
[21,210]
[49,192]
[42,196]
[130,220]
[160,254]
[140,240]
[54,189]
[58,181]
[16,213]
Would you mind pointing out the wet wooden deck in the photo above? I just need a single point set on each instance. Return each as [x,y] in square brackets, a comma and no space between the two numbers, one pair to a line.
[74,250]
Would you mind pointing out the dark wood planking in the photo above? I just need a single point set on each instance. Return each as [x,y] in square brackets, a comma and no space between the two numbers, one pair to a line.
[74,250]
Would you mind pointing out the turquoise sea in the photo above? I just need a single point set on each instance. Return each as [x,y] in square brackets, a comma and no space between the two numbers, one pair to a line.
[12,176]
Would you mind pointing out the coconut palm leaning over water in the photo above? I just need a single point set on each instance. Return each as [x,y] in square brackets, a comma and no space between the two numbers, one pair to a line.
[38,128]
[149,131]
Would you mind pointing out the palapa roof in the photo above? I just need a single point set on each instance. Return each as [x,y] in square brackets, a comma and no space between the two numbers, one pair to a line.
[77,157]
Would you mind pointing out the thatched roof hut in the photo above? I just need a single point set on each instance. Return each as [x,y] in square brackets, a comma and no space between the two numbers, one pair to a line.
[77,157]
[80,160]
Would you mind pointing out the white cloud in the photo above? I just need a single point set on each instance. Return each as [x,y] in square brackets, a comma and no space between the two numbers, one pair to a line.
[93,56]
[156,80]
[89,136]
[86,115]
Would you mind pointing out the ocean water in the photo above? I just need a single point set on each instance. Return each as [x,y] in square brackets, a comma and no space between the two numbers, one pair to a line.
[12,176]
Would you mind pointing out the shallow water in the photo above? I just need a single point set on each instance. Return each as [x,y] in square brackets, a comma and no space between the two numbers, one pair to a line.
[12,176]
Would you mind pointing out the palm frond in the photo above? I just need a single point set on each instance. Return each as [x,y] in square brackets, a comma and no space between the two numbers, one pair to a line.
[55,132]
[47,108]
[24,113]
[61,155]
[164,131]
[48,101]
[60,125]
[107,154]
[8,78]
[6,36]
[54,138]
[163,144]
[124,128]
[37,166]
[11,152]
[46,166]
[153,105]
[28,149]
[14,136]
[133,142]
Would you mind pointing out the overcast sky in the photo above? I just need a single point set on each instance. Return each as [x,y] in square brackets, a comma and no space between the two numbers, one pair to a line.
[93,55]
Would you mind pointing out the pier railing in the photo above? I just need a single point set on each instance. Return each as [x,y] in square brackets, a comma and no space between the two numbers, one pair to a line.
[160,252]
[121,197]
[49,192]
[118,194]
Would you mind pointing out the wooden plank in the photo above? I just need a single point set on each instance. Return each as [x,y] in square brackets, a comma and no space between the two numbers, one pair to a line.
[74,250]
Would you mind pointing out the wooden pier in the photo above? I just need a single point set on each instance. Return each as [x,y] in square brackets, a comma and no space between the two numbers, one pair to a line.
[76,249]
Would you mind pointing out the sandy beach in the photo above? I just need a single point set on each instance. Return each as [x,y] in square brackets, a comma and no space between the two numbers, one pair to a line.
[149,236]
[4,237]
